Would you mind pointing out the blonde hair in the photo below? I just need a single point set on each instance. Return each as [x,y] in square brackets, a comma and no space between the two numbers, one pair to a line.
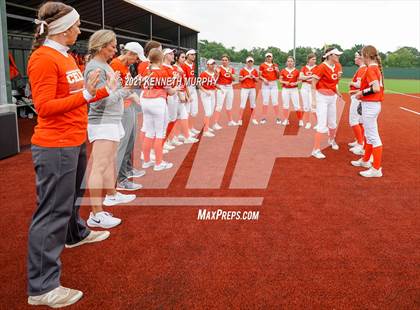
[155,56]
[99,40]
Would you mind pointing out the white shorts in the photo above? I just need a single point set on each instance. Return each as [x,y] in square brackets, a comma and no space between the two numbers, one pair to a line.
[288,94]
[221,96]
[268,91]
[354,117]
[209,102]
[192,106]
[111,132]
[370,113]
[172,107]
[326,112]
[306,92]
[155,117]
[250,93]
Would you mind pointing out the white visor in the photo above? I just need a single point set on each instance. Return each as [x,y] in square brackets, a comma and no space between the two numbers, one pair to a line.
[333,52]
[190,52]
[250,59]
[268,54]
[211,61]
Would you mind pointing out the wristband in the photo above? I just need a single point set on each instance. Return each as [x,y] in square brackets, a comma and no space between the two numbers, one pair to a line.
[368,91]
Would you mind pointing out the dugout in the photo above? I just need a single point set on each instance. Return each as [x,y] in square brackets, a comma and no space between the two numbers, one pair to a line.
[129,20]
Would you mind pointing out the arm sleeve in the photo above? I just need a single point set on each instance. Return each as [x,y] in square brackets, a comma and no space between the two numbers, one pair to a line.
[44,79]
[317,72]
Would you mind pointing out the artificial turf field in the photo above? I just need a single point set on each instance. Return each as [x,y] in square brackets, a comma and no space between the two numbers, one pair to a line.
[326,238]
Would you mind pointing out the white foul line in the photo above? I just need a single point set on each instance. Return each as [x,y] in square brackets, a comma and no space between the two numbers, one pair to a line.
[395,92]
[405,109]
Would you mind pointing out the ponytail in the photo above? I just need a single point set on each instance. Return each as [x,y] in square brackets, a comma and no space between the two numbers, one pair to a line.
[379,62]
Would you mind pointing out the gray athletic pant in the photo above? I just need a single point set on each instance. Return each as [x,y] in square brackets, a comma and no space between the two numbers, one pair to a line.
[56,221]
[126,146]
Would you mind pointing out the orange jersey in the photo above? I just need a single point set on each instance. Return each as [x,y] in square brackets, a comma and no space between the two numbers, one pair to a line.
[290,76]
[307,71]
[225,76]
[268,71]
[180,75]
[248,82]
[155,84]
[339,69]
[328,78]
[142,67]
[208,81]
[189,70]
[358,76]
[57,90]
[123,70]
[372,74]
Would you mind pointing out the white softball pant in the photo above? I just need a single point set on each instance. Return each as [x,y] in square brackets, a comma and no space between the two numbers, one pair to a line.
[181,112]
[288,94]
[326,112]
[155,117]
[209,102]
[192,107]
[221,96]
[354,117]
[370,113]
[268,91]
[250,93]
[306,92]
[172,107]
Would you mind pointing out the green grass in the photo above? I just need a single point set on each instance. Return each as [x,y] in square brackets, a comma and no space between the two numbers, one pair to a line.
[401,86]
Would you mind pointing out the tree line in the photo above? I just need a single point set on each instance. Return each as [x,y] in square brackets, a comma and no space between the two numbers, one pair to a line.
[404,57]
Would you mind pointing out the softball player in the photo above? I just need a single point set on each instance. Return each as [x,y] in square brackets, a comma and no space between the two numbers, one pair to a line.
[208,88]
[306,91]
[192,106]
[355,119]
[289,78]
[269,73]
[325,81]
[371,96]
[248,77]
[155,112]
[225,77]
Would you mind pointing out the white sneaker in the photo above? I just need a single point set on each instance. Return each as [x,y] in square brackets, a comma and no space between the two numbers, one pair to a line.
[333,144]
[181,138]
[148,164]
[308,126]
[191,140]
[57,298]
[152,155]
[278,121]
[371,173]
[163,166]
[195,131]
[192,133]
[211,129]
[285,122]
[239,123]
[263,121]
[216,126]
[316,127]
[208,134]
[232,123]
[94,236]
[168,147]
[118,198]
[318,154]
[176,142]
[301,123]
[102,219]
[361,163]
[357,149]
[352,144]
[254,121]
[164,152]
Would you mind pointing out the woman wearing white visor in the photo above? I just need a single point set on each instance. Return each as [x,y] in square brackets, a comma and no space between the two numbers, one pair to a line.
[208,88]
[192,105]
[248,77]
[325,81]
[269,74]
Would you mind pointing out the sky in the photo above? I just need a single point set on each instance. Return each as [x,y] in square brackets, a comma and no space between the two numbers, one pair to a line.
[386,24]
